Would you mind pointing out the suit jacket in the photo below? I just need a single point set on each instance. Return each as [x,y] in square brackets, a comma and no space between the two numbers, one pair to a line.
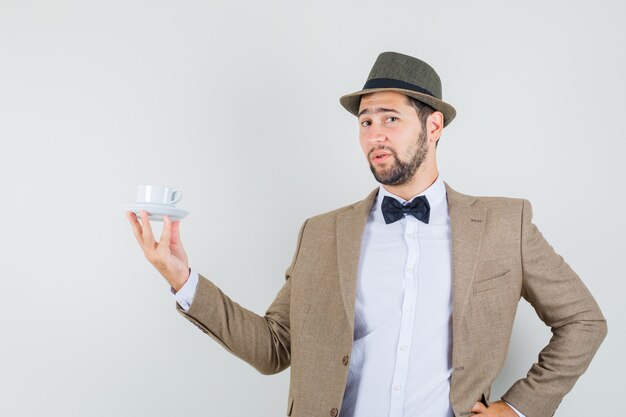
[498,256]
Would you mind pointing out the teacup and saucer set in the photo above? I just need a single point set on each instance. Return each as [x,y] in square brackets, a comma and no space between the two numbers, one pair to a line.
[158,201]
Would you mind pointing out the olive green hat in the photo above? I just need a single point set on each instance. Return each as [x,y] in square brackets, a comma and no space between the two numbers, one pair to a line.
[393,71]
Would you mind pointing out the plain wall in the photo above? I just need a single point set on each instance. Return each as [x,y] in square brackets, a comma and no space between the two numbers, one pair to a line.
[236,103]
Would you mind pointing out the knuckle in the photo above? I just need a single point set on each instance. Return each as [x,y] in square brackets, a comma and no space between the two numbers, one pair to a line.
[158,261]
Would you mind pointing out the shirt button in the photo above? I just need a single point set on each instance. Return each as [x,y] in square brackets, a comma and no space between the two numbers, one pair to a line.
[403,347]
[397,388]
[345,360]
[407,308]
[333,412]
[409,270]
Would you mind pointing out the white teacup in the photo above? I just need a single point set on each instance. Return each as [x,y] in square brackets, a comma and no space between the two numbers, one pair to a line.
[158,194]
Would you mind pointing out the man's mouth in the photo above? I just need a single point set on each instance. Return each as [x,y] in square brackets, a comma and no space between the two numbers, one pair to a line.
[379,157]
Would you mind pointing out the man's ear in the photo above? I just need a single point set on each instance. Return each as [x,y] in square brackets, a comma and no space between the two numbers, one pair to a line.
[434,124]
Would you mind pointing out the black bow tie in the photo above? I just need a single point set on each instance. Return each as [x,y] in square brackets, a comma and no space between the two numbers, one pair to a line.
[393,210]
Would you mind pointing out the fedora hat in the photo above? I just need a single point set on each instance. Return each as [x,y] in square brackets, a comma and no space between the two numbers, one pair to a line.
[404,74]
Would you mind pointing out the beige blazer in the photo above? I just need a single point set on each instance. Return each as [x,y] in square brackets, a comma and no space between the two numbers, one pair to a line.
[498,256]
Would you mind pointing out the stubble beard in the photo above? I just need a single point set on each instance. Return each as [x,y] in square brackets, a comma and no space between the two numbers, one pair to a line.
[400,172]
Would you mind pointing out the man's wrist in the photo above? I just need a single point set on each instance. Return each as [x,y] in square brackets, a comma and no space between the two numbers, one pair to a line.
[515,410]
[184,297]
[177,287]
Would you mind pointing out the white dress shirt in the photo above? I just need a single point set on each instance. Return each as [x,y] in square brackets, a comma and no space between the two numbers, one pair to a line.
[401,359]
[402,351]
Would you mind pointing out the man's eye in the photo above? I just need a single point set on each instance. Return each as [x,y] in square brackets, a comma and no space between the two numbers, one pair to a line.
[365,123]
[392,119]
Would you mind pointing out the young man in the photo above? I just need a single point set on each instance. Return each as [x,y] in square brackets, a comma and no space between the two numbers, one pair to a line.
[402,304]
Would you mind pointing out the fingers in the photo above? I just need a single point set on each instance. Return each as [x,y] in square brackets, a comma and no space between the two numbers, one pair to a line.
[175,226]
[478,408]
[164,243]
[148,237]
[145,237]
[143,231]
[175,235]
[132,218]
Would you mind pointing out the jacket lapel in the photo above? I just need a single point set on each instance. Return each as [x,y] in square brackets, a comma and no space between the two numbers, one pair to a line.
[467,223]
[350,226]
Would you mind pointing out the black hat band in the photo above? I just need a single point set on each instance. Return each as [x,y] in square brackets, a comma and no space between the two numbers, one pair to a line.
[391,83]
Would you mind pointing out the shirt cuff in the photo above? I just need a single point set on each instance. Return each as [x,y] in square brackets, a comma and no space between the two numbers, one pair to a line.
[184,296]
[516,410]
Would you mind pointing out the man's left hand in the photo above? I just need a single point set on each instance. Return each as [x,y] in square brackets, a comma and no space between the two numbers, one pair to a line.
[497,409]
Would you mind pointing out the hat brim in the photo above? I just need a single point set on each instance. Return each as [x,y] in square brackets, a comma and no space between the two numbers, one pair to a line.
[352,101]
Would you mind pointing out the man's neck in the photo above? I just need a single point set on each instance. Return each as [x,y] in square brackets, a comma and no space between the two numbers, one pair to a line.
[419,182]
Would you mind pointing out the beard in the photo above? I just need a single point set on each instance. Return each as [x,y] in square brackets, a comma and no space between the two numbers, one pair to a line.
[400,172]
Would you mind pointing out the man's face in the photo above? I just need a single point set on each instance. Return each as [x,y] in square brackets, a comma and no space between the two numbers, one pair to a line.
[391,136]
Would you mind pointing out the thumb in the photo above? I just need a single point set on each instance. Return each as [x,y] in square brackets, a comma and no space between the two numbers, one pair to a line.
[478,408]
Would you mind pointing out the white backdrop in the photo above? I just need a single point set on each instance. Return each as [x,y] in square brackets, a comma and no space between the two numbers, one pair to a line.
[237,104]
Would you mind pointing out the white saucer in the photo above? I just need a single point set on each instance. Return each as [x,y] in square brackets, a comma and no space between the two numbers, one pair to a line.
[157,211]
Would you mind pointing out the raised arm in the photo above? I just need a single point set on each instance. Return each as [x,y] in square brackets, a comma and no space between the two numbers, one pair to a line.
[262,341]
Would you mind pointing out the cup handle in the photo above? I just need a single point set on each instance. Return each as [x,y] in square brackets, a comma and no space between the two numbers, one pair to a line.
[177,194]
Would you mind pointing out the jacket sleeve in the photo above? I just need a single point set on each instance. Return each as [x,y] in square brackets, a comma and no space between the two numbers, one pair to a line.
[262,341]
[564,303]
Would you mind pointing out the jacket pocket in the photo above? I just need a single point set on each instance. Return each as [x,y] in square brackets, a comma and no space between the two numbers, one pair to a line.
[303,323]
[490,274]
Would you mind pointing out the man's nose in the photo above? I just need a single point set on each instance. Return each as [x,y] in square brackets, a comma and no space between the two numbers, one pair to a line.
[375,133]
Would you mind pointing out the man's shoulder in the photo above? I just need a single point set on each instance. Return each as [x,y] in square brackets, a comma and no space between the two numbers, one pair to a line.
[331,216]
[500,202]
[491,202]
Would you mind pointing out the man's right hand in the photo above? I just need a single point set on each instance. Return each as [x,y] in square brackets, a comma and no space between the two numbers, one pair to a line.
[168,255]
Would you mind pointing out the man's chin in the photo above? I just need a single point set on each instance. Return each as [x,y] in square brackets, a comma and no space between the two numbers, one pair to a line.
[381,174]
[385,180]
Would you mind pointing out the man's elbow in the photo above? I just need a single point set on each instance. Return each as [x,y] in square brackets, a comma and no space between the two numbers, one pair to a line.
[594,332]
[601,329]
[272,370]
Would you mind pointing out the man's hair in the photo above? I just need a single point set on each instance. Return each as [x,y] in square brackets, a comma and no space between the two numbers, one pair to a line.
[423,111]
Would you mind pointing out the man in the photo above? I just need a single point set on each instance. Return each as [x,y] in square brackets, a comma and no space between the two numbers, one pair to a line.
[402,304]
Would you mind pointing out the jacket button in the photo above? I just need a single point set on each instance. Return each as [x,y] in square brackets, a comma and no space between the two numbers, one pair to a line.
[345,360]
[333,412]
